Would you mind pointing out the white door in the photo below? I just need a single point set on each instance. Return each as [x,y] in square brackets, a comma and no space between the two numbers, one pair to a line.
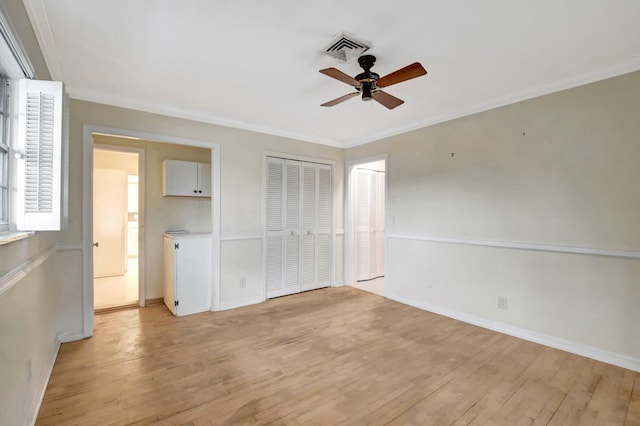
[369,220]
[298,226]
[204,180]
[109,222]
[363,210]
[275,227]
[180,178]
[192,290]
[379,271]
[169,274]
[292,228]
[323,228]
[308,238]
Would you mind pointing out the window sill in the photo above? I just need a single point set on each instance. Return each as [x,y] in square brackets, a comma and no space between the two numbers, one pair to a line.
[9,237]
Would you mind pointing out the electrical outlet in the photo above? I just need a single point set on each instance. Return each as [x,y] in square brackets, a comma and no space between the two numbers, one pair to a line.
[503,303]
[28,370]
[243,283]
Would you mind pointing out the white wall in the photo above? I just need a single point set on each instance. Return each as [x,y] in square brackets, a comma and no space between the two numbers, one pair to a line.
[560,170]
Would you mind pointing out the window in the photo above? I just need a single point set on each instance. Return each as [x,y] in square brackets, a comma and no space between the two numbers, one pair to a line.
[4,155]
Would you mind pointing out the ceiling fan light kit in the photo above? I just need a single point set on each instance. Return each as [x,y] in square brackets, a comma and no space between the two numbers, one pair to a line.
[369,83]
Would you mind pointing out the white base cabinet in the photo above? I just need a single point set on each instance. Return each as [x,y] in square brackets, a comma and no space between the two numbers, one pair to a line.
[187,273]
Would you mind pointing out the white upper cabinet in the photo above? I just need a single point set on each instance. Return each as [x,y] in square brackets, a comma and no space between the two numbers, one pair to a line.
[186,179]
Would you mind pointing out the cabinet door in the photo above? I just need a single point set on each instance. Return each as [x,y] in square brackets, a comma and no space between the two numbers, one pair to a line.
[180,178]
[204,180]
[193,286]
[169,274]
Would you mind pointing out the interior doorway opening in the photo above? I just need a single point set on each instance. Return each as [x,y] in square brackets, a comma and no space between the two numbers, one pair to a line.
[116,228]
[367,213]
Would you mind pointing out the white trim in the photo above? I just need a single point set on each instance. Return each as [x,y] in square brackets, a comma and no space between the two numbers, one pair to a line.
[37,13]
[615,70]
[339,231]
[37,403]
[69,246]
[332,231]
[141,212]
[240,303]
[629,254]
[11,236]
[14,45]
[87,231]
[304,158]
[629,66]
[71,336]
[17,274]
[87,206]
[349,215]
[241,237]
[155,108]
[529,335]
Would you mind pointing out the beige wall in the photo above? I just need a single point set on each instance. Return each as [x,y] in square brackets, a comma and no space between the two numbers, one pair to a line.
[241,154]
[559,170]
[164,213]
[33,317]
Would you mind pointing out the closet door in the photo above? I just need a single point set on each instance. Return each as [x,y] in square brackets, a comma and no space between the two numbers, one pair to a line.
[369,224]
[298,226]
[308,238]
[292,246]
[323,227]
[379,272]
[275,227]
[362,224]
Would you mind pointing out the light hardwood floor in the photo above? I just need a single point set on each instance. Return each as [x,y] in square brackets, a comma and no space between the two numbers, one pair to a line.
[331,356]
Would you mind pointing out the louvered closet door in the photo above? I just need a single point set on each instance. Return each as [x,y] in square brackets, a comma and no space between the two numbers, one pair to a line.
[309,207]
[323,227]
[275,227]
[298,226]
[292,246]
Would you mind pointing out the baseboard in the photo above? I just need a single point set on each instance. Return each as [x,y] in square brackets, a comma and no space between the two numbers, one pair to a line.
[154,301]
[70,336]
[592,352]
[240,303]
[37,402]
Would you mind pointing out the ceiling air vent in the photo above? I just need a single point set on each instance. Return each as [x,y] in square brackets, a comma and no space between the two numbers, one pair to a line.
[345,47]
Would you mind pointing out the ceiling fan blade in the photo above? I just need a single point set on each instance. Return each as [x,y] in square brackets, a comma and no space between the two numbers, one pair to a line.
[386,99]
[340,99]
[403,74]
[339,75]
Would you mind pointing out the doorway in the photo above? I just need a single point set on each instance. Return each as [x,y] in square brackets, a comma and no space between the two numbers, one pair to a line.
[367,196]
[116,228]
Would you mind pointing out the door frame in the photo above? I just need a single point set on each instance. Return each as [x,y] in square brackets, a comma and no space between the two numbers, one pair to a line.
[141,210]
[350,256]
[88,130]
[334,216]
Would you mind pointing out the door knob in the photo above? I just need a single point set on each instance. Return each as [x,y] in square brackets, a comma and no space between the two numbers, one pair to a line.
[97,244]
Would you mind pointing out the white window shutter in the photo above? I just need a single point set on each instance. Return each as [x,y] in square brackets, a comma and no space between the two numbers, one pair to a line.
[39,145]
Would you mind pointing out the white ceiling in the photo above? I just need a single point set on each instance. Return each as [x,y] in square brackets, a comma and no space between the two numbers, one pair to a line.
[254,64]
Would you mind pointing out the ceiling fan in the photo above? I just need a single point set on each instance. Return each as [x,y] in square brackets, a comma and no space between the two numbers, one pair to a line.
[369,83]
